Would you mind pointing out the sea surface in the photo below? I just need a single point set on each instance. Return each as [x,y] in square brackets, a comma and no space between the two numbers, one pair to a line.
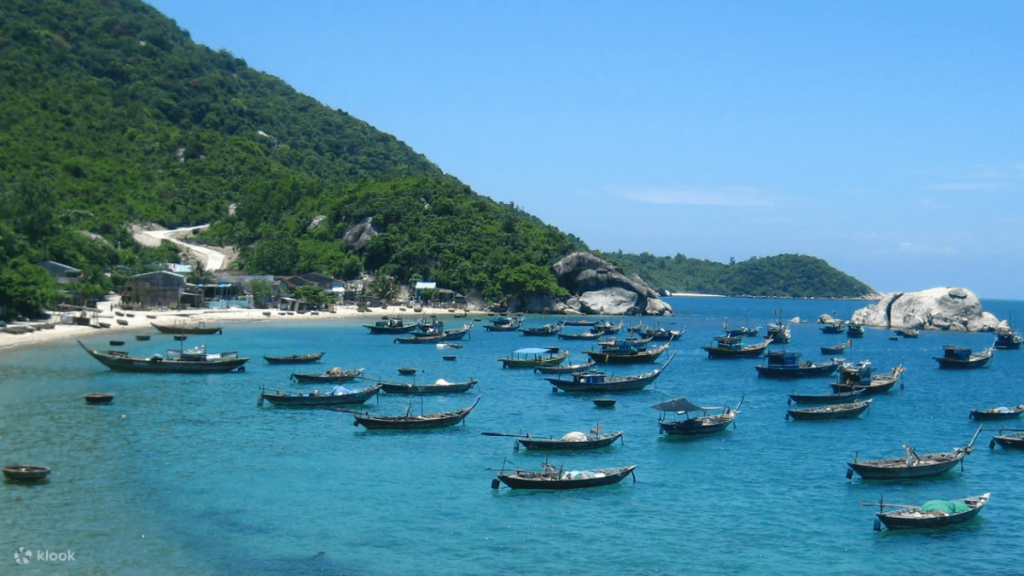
[185,474]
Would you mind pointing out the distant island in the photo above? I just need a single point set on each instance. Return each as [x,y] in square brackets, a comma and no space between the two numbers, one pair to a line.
[114,118]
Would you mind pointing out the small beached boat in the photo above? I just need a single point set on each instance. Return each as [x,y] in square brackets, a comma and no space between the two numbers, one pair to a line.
[295,359]
[998,413]
[410,421]
[534,357]
[829,412]
[551,478]
[337,396]
[912,465]
[931,514]
[188,328]
[962,357]
[441,386]
[333,376]
[702,425]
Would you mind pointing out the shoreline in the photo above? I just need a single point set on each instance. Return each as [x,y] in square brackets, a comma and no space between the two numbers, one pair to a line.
[142,319]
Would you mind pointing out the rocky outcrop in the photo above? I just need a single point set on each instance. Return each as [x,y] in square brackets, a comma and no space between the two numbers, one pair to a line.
[357,235]
[952,309]
[599,288]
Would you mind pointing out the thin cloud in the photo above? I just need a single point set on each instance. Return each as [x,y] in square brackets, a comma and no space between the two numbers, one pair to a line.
[984,178]
[732,196]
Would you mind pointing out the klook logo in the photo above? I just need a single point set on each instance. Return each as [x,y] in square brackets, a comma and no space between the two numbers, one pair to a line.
[24,556]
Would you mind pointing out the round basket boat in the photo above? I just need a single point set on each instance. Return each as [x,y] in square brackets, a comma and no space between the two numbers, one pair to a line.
[604,402]
[142,336]
[99,398]
[449,357]
[24,473]
[117,342]
[180,337]
[407,371]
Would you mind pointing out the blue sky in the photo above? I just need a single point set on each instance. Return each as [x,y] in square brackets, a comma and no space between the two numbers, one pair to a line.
[884,137]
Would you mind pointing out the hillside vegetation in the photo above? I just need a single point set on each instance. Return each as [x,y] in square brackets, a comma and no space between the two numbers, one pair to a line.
[785,275]
[110,115]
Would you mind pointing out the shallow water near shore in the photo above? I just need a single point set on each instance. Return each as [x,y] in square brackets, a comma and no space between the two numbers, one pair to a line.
[186,474]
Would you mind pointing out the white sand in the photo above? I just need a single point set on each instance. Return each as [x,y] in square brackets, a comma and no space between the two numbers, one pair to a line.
[140,321]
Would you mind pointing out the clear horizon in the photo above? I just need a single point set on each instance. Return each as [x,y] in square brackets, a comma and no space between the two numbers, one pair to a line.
[883,138]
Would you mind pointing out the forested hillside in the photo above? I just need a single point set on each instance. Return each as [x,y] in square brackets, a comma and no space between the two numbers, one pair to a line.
[785,275]
[110,115]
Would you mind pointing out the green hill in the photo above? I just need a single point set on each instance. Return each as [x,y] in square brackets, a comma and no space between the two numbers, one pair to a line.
[785,275]
[110,115]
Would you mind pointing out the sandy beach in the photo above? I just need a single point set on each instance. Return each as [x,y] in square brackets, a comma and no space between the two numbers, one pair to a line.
[139,321]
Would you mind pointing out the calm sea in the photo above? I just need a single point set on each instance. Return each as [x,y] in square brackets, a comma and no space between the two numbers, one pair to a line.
[187,475]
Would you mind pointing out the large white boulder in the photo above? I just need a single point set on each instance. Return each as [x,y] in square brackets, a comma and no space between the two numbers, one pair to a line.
[949,308]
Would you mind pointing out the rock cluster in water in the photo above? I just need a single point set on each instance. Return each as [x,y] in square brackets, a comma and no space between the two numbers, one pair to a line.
[952,309]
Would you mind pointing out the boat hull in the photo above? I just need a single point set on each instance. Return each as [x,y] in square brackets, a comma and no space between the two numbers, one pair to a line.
[1010,441]
[300,359]
[830,412]
[912,518]
[423,422]
[321,400]
[639,357]
[428,389]
[696,426]
[816,371]
[542,481]
[547,444]
[826,399]
[897,468]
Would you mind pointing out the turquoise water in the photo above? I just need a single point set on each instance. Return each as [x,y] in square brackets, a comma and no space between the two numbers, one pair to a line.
[185,474]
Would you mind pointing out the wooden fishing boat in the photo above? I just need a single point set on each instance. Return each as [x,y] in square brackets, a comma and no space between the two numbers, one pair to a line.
[1007,339]
[441,386]
[862,380]
[662,334]
[595,381]
[1012,441]
[25,472]
[414,422]
[117,342]
[702,425]
[604,402]
[338,396]
[961,357]
[606,328]
[829,412]
[837,349]
[186,328]
[854,331]
[434,336]
[789,365]
[931,514]
[567,369]
[504,324]
[99,398]
[534,357]
[404,371]
[295,359]
[190,361]
[912,465]
[822,399]
[908,333]
[727,347]
[142,337]
[835,327]
[626,352]
[573,441]
[579,322]
[741,331]
[545,330]
[333,376]
[551,478]
[590,335]
[392,325]
[998,413]
[779,333]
